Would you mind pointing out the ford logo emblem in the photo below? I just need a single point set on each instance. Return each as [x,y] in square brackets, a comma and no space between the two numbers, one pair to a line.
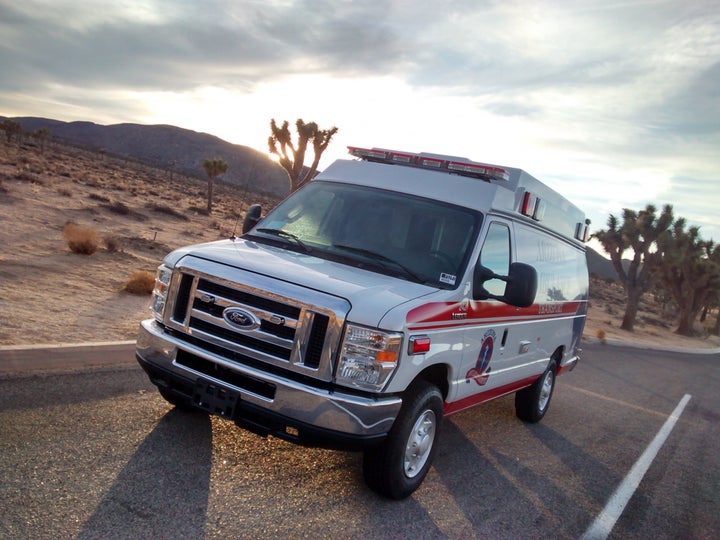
[241,319]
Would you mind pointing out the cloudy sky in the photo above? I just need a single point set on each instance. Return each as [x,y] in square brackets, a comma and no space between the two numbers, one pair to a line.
[613,103]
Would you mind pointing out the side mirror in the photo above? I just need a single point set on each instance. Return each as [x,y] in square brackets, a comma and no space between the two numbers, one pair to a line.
[252,217]
[521,284]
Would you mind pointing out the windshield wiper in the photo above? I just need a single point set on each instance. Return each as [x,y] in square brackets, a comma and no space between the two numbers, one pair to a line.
[382,259]
[287,236]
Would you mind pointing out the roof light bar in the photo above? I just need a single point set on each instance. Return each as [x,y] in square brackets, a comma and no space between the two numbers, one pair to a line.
[431,162]
[500,174]
[465,167]
[400,157]
[368,153]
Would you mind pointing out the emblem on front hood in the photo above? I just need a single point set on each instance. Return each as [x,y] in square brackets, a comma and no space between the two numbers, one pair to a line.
[240,319]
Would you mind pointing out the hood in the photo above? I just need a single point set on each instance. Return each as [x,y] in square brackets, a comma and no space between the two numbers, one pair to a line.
[371,295]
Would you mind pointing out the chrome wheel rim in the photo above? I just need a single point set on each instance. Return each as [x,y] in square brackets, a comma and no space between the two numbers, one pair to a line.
[546,390]
[419,443]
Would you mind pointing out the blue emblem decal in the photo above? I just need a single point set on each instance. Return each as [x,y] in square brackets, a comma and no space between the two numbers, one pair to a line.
[240,319]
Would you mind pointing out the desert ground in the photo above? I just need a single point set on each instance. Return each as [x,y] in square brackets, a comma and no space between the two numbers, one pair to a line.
[52,295]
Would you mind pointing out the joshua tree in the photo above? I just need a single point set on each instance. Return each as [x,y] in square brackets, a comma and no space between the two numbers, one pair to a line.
[292,157]
[11,129]
[690,272]
[639,232]
[41,135]
[213,168]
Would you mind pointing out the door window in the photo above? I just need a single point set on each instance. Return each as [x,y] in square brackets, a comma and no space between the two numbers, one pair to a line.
[495,255]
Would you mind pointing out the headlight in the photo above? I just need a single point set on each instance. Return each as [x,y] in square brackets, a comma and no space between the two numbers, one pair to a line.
[162,283]
[367,358]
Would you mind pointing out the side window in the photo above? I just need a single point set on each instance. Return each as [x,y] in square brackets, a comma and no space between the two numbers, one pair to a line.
[495,255]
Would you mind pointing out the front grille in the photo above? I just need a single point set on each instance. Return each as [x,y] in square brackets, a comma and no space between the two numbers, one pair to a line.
[285,333]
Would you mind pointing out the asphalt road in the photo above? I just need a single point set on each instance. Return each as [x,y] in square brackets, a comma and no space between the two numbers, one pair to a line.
[99,454]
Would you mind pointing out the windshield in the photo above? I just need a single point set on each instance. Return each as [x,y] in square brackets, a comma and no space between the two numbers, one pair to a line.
[409,237]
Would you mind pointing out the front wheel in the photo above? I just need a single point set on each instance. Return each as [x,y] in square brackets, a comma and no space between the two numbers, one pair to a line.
[532,403]
[398,466]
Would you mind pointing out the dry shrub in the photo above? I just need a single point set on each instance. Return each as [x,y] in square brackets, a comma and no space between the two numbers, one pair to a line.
[65,192]
[200,210]
[112,243]
[119,208]
[167,210]
[25,176]
[140,282]
[82,240]
[600,334]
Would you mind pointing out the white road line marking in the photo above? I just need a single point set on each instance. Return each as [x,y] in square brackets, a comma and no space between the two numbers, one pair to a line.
[604,523]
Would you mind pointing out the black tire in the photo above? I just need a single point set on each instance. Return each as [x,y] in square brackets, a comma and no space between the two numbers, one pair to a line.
[532,403]
[398,466]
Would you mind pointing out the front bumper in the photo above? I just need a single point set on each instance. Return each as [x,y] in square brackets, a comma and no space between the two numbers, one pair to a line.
[268,403]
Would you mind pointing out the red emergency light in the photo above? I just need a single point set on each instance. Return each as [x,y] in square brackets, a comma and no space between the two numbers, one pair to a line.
[431,162]
[467,167]
[368,153]
[400,157]
[532,206]
[581,231]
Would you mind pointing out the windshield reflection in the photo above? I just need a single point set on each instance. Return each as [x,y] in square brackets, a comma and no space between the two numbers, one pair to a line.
[408,237]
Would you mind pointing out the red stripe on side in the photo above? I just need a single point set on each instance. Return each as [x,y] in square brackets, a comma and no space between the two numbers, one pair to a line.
[453,311]
[477,399]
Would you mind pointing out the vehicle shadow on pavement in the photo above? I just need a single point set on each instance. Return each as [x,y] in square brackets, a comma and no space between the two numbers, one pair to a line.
[485,478]
[163,487]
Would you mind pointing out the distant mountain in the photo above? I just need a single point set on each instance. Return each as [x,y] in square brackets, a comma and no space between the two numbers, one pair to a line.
[169,147]
[599,266]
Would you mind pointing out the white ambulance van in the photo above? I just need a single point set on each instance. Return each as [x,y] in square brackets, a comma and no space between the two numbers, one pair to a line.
[389,292]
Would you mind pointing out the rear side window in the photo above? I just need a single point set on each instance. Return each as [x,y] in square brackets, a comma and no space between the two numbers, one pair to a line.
[495,255]
[561,267]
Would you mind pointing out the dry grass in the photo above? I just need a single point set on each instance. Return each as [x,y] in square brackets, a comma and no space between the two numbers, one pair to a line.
[26,176]
[167,210]
[82,240]
[140,282]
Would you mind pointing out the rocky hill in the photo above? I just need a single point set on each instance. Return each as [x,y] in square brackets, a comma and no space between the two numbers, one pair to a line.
[170,148]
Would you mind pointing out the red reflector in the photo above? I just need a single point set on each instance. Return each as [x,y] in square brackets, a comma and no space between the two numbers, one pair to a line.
[419,344]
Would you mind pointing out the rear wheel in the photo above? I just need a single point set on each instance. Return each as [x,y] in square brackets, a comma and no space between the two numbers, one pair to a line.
[532,403]
[398,466]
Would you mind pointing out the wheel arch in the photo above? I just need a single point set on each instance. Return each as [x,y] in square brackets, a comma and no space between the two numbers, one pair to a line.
[437,374]
[558,355]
